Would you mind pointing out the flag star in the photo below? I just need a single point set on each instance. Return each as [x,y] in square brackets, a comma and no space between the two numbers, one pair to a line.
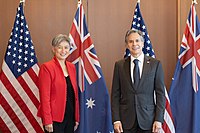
[25,58]
[148,42]
[135,10]
[27,32]
[22,17]
[19,63]
[14,55]
[21,37]
[8,53]
[9,46]
[31,60]
[143,33]
[98,132]
[143,27]
[10,40]
[32,54]
[26,39]
[19,57]
[13,61]
[139,18]
[22,24]
[147,54]
[134,23]
[27,26]
[26,52]
[25,65]
[20,50]
[18,13]
[16,28]
[90,103]
[148,48]
[15,48]
[26,45]
[19,70]
[17,22]
[16,35]
[21,31]
[135,16]
[15,42]
[20,44]
[138,25]
[32,47]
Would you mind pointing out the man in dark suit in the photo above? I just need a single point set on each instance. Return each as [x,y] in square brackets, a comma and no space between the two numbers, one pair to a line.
[138,94]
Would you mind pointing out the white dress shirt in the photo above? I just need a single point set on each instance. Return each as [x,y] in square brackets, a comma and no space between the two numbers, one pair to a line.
[140,63]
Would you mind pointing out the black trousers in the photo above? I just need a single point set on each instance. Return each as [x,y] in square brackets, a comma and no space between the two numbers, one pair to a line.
[67,125]
[136,129]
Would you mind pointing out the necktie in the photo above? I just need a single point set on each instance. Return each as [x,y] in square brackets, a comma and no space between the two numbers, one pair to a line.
[136,73]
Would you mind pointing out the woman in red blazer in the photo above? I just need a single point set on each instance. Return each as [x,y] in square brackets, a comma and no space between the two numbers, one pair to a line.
[59,103]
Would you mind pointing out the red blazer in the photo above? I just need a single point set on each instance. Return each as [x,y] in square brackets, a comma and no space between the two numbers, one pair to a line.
[52,88]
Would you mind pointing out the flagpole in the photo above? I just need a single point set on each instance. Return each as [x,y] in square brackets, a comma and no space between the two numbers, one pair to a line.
[138,1]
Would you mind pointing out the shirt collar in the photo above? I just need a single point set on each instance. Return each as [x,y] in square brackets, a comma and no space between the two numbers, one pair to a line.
[140,58]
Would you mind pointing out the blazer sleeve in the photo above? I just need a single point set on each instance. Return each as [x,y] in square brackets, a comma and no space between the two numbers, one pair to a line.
[44,90]
[160,93]
[115,94]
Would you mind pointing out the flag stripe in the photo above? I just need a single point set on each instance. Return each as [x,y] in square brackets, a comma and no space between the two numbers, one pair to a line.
[25,111]
[16,116]
[32,73]
[31,86]
[28,91]
[6,122]
[17,92]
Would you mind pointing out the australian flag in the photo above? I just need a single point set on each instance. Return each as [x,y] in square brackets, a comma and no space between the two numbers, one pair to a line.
[95,114]
[184,92]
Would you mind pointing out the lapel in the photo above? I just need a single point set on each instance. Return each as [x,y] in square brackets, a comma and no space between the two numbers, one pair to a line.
[128,70]
[146,69]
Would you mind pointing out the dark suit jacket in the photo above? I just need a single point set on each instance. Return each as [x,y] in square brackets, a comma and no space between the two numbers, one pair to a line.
[129,103]
[52,88]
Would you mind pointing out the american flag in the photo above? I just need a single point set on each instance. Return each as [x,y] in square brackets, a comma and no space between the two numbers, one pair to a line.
[19,96]
[138,24]
[95,112]
[184,92]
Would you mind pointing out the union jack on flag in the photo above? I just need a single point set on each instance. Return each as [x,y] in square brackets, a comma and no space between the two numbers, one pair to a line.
[138,24]
[190,46]
[184,92]
[95,112]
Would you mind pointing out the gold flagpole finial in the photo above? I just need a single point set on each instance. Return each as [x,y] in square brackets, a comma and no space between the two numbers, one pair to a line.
[138,1]
[79,1]
[194,1]
[22,1]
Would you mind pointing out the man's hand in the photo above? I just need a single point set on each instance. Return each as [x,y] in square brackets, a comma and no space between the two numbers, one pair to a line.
[118,127]
[49,127]
[76,126]
[156,127]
